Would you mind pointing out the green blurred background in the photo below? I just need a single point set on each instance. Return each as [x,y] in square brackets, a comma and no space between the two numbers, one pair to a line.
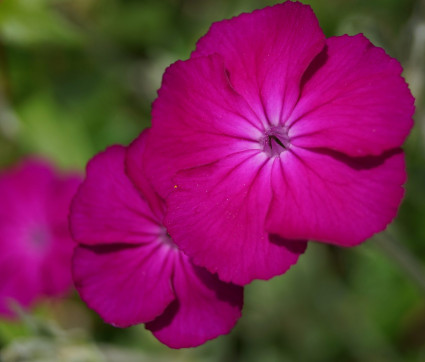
[79,75]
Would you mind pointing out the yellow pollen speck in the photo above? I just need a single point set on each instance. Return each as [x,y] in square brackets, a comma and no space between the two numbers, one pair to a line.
[175,186]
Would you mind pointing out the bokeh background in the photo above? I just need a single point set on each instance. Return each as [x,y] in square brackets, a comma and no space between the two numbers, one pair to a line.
[79,75]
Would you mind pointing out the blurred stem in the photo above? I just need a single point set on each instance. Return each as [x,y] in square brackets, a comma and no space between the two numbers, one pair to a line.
[403,257]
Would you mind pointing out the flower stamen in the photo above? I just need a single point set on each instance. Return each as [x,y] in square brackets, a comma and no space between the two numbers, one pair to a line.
[275,141]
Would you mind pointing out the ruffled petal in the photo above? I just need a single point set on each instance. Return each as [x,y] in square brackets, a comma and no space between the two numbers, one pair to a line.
[329,197]
[108,208]
[125,285]
[205,308]
[217,216]
[354,100]
[266,53]
[198,118]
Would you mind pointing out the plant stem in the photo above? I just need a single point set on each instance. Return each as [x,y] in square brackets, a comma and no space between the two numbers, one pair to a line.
[403,257]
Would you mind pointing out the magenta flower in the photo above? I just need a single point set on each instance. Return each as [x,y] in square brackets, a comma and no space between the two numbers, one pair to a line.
[129,270]
[35,243]
[272,133]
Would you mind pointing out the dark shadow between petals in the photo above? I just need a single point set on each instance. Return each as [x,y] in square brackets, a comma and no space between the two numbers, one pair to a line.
[294,246]
[358,163]
[224,291]
[314,66]
[165,318]
[109,248]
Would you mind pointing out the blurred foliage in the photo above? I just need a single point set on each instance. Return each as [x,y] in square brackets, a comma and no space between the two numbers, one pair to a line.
[79,75]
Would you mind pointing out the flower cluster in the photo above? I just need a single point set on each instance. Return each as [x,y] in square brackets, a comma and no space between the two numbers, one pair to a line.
[270,135]
[36,246]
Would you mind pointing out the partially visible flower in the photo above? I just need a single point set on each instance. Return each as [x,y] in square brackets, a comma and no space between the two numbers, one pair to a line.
[35,244]
[272,133]
[128,269]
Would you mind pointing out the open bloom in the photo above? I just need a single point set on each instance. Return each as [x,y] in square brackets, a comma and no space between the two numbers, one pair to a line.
[272,133]
[128,269]
[35,244]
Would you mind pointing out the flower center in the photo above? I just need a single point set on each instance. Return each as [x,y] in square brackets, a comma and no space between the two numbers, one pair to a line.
[275,141]
[166,239]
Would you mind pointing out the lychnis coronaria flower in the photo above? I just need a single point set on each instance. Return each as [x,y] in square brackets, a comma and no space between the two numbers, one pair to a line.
[35,243]
[128,269]
[272,133]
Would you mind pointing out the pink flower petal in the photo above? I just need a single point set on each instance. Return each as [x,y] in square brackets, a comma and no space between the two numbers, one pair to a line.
[195,124]
[125,285]
[205,308]
[217,216]
[355,101]
[333,198]
[107,207]
[266,53]
[136,172]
